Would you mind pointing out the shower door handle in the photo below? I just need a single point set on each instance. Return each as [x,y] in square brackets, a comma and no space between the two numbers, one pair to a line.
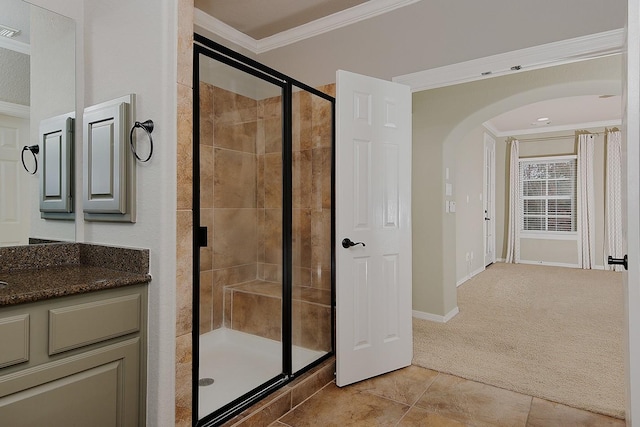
[347,243]
[202,237]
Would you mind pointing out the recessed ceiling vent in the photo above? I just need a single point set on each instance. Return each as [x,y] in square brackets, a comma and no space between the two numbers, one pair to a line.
[8,31]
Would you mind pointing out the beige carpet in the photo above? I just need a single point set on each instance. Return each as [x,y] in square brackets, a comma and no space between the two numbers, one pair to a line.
[549,332]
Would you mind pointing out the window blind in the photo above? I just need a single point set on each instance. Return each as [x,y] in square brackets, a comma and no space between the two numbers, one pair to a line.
[548,195]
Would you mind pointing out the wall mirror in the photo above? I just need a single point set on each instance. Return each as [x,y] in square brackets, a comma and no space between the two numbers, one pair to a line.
[37,81]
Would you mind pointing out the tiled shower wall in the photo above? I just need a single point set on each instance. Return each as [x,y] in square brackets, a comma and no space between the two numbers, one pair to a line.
[228,188]
[312,158]
[241,205]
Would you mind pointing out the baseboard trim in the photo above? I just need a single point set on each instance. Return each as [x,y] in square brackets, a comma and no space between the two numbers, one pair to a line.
[436,317]
[469,276]
[549,264]
[559,264]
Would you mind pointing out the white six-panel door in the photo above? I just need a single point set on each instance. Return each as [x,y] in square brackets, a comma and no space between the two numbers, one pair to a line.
[631,210]
[488,200]
[373,193]
[15,194]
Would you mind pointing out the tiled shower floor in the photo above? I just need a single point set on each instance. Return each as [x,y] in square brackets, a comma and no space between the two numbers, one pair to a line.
[239,362]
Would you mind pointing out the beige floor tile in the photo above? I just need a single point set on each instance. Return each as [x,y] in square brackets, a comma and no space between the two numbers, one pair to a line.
[476,403]
[418,417]
[404,385]
[548,414]
[449,401]
[334,406]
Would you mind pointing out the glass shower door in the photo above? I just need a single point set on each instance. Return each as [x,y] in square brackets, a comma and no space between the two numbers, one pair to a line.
[263,305]
[311,166]
[240,204]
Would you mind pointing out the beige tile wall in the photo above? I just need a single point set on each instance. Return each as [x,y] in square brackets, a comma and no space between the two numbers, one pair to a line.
[241,205]
[269,200]
[312,160]
[184,159]
[228,195]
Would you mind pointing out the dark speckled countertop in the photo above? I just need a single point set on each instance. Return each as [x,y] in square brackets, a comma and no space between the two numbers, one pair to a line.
[39,272]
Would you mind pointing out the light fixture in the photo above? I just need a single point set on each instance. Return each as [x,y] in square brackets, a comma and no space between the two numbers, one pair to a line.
[542,121]
[8,31]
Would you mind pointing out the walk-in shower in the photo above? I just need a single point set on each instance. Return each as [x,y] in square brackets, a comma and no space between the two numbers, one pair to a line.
[263,227]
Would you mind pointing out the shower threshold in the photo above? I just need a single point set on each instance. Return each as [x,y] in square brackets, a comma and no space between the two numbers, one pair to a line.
[238,362]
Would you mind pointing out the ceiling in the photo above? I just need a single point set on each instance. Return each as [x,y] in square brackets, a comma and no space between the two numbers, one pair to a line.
[255,19]
[562,114]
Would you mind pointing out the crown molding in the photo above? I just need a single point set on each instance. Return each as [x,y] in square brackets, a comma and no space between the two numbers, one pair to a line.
[332,22]
[225,31]
[547,129]
[15,110]
[15,45]
[491,128]
[556,53]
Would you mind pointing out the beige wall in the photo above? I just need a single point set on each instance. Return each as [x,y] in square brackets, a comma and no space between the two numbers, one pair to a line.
[469,186]
[441,119]
[543,250]
[468,189]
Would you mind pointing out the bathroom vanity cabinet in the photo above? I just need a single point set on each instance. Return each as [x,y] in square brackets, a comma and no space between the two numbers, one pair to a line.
[77,360]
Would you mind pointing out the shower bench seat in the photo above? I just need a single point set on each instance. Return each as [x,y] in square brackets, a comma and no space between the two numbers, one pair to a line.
[256,307]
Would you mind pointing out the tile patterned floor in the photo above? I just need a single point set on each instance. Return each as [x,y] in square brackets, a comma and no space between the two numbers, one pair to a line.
[415,396]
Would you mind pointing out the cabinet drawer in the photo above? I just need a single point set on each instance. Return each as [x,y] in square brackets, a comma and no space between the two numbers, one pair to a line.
[14,339]
[83,324]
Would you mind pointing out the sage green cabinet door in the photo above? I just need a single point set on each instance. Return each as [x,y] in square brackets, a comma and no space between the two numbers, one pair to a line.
[97,388]
[14,336]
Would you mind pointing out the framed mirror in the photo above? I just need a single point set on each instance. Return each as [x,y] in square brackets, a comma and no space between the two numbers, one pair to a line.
[37,82]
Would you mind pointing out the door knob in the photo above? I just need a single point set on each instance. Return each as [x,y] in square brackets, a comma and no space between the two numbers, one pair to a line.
[347,243]
[618,261]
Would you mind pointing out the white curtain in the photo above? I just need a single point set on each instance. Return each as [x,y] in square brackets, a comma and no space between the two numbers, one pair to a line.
[586,197]
[513,239]
[613,201]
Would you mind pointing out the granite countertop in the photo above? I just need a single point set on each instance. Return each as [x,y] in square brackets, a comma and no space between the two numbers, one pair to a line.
[44,283]
[61,270]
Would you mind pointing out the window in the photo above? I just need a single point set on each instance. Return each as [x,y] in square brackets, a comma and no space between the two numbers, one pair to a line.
[548,194]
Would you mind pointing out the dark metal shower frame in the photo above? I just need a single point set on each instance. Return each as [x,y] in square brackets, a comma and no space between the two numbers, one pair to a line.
[220,53]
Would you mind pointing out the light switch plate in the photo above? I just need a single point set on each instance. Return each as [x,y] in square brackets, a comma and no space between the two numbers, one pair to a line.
[448,189]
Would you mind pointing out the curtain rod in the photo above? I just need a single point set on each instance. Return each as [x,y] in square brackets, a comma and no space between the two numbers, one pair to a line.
[551,138]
